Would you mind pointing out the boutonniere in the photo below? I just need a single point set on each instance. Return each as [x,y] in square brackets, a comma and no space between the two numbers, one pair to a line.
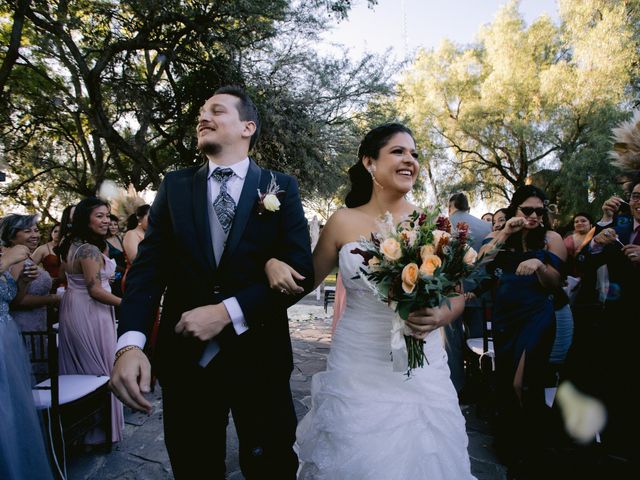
[268,200]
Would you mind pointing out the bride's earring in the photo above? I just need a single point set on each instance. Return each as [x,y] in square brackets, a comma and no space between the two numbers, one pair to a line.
[373,177]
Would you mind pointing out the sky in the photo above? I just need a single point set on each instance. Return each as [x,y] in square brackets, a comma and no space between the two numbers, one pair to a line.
[406,25]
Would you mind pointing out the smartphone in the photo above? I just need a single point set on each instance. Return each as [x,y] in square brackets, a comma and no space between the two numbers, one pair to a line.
[624,208]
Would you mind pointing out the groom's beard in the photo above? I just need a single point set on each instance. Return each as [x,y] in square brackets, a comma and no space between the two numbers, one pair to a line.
[211,148]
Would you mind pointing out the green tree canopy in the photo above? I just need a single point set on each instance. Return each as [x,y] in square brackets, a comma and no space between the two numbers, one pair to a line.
[523,99]
[111,89]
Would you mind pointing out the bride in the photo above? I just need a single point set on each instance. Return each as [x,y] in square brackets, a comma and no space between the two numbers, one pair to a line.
[367,421]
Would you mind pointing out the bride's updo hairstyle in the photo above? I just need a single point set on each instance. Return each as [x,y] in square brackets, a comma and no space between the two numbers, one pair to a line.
[361,181]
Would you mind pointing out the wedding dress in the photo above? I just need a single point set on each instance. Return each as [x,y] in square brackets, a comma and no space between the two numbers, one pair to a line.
[368,422]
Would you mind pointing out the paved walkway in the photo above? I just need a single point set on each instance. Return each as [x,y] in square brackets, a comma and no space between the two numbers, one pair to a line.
[142,454]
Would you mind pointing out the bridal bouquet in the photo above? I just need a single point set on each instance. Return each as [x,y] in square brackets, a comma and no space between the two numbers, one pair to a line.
[414,265]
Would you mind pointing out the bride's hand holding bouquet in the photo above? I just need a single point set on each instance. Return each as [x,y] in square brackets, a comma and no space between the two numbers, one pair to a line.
[416,267]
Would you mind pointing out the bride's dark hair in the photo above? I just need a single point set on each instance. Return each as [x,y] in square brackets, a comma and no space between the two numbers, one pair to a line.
[361,181]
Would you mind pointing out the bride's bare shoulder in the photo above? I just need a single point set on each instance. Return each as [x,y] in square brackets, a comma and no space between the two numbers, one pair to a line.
[344,216]
[346,223]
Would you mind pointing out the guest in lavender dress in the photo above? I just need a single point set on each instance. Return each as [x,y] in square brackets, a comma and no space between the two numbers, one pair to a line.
[87,320]
[30,312]
[22,448]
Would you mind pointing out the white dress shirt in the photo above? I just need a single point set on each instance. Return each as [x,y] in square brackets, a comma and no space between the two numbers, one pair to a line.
[234,188]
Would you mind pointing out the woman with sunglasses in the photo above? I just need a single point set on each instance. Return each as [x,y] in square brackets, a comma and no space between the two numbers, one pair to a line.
[528,259]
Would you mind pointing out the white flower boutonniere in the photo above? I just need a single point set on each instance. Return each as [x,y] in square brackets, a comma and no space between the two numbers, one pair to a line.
[268,200]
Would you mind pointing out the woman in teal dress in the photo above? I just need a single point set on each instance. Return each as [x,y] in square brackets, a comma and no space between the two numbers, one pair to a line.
[22,450]
[528,261]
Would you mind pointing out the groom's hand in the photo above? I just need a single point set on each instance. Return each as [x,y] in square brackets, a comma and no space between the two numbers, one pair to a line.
[203,323]
[130,378]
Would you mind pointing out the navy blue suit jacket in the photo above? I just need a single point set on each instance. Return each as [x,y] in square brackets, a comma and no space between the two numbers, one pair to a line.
[176,258]
[622,273]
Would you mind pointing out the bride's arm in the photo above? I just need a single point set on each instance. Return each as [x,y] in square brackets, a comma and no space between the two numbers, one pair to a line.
[325,257]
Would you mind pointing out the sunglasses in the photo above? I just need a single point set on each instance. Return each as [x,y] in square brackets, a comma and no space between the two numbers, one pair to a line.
[539,211]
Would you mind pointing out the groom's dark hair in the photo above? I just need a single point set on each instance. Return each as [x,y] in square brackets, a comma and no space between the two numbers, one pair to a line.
[246,108]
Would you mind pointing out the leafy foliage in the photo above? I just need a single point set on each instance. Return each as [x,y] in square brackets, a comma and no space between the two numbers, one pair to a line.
[106,89]
[525,99]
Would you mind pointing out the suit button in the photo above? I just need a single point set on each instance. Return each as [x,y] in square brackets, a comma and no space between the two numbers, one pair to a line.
[216,290]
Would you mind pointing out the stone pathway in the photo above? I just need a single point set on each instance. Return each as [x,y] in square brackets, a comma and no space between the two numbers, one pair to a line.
[142,454]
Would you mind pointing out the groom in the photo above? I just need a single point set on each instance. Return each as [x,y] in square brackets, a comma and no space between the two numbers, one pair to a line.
[224,341]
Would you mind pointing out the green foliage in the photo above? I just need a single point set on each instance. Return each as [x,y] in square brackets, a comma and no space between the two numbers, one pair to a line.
[341,7]
[525,99]
[112,89]
[587,177]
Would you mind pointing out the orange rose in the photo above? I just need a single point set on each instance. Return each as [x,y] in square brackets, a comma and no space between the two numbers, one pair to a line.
[426,250]
[391,249]
[409,277]
[429,264]
[373,262]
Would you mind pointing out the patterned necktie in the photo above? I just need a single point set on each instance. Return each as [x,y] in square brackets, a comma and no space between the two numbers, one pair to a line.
[636,241]
[223,205]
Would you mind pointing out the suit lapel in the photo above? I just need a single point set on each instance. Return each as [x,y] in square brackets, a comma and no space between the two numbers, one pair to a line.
[246,203]
[201,213]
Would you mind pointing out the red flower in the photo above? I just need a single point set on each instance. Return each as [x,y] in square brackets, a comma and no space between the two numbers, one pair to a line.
[365,255]
[463,232]
[443,223]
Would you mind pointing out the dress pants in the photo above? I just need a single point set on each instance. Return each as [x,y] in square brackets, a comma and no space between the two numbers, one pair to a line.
[196,405]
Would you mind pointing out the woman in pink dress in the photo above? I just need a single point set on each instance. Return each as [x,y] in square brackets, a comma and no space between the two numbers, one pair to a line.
[87,320]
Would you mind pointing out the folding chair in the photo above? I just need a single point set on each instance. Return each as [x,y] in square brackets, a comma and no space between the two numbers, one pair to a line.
[71,405]
[480,362]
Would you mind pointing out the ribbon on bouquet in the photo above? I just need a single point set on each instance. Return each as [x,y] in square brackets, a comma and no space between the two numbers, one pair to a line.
[399,355]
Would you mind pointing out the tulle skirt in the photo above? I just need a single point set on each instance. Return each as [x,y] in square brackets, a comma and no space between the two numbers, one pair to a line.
[22,448]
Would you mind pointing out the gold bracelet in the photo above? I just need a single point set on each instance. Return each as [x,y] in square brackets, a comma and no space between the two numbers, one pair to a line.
[124,350]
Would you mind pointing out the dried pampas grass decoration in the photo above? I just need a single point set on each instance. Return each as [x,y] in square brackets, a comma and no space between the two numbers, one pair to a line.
[626,147]
[123,202]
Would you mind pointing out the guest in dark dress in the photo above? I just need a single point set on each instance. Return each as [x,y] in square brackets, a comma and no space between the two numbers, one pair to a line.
[116,252]
[45,255]
[600,363]
[528,267]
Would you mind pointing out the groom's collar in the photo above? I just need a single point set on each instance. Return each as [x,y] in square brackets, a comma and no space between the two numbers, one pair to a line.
[240,168]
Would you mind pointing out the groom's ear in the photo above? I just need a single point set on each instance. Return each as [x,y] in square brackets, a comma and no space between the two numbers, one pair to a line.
[249,129]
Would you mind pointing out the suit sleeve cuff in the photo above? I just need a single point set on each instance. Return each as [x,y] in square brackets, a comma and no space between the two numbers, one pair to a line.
[131,338]
[236,314]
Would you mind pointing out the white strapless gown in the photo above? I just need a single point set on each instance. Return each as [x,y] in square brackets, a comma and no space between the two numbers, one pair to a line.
[368,422]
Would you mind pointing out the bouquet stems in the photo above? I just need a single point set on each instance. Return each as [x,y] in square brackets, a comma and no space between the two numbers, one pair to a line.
[415,353]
